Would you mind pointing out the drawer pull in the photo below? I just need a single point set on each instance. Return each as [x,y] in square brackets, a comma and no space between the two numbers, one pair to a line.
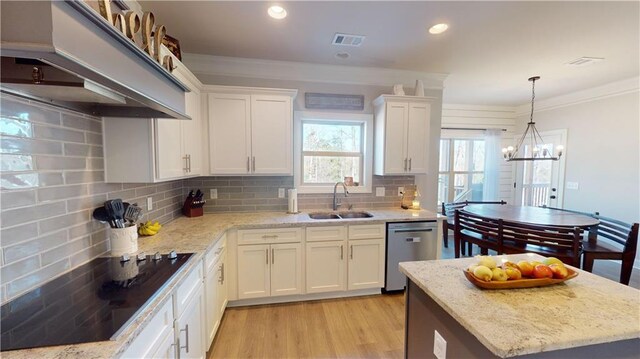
[186,336]
[267,236]
[341,252]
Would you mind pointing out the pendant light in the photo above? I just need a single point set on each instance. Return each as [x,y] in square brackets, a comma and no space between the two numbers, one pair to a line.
[538,151]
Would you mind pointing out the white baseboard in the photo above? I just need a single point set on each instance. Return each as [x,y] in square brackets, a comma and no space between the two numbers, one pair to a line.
[303,297]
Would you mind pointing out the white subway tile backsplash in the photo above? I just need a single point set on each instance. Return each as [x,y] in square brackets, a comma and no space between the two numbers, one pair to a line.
[59,134]
[55,158]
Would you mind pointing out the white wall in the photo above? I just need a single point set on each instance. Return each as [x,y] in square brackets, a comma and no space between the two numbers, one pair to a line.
[467,116]
[602,154]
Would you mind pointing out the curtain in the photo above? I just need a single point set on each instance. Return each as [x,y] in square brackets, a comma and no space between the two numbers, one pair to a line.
[492,160]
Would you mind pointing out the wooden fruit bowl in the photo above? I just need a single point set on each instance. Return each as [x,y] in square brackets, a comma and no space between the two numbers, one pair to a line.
[518,283]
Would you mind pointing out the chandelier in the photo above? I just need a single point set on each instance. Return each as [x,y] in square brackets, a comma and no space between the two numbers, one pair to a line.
[537,151]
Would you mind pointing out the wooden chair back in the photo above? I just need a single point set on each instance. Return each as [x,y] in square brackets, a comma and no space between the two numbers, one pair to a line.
[565,243]
[484,232]
[448,209]
[622,233]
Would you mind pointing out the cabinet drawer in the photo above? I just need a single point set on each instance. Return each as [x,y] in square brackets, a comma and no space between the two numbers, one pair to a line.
[277,235]
[331,233]
[152,336]
[188,288]
[215,253]
[366,231]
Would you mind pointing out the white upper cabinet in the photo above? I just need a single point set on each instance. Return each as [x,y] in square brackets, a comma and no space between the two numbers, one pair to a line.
[250,131]
[155,150]
[401,134]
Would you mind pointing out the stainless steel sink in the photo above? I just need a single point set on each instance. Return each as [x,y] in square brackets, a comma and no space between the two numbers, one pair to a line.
[323,216]
[341,215]
[355,215]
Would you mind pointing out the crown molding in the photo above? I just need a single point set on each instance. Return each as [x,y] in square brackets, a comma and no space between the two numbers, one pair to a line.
[241,90]
[456,106]
[308,72]
[616,88]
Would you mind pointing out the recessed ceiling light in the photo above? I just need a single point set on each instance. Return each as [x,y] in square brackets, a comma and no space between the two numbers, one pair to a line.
[277,12]
[342,55]
[438,29]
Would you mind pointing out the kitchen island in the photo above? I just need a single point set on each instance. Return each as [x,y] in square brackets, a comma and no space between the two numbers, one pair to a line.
[587,316]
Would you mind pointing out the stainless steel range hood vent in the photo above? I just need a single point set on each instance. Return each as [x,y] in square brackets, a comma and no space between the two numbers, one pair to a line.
[63,53]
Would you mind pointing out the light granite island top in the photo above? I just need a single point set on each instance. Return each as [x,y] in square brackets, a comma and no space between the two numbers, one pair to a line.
[585,311]
[197,235]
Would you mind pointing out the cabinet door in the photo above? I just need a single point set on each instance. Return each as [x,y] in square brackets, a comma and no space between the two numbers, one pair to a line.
[212,312]
[326,266]
[166,348]
[170,160]
[286,269]
[190,327]
[253,271]
[418,137]
[366,264]
[271,134]
[222,299]
[395,147]
[192,133]
[229,133]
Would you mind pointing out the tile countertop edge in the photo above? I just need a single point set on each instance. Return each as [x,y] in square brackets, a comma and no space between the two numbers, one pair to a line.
[405,267]
[200,244]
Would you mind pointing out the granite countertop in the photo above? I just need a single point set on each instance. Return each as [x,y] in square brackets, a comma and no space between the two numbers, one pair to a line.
[197,235]
[585,310]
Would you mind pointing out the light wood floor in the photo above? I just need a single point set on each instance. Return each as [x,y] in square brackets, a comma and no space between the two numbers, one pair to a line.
[362,327]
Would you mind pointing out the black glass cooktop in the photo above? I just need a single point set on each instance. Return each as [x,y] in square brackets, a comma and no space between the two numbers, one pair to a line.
[91,303]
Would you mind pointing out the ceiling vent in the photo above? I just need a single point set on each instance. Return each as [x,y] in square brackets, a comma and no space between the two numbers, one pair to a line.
[584,61]
[347,40]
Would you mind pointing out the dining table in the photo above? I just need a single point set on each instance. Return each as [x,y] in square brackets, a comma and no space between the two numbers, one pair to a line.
[533,215]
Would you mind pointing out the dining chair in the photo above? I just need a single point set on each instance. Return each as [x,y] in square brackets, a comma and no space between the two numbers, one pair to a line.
[564,243]
[448,210]
[471,228]
[615,240]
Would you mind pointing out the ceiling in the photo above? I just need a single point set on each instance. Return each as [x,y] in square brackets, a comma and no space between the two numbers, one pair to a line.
[489,51]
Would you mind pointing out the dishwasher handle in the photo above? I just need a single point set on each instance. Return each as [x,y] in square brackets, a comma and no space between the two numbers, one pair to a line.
[413,230]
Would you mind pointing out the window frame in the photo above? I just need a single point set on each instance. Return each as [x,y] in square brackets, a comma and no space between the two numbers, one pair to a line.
[451,160]
[365,120]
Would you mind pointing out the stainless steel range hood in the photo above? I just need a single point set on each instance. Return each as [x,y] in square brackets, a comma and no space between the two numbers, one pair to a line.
[66,54]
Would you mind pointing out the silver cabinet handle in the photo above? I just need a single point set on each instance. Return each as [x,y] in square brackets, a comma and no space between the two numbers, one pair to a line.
[186,336]
[267,252]
[221,278]
[351,255]
[186,163]
[405,164]
[273,256]
[267,236]
[254,163]
[341,252]
[409,164]
[189,161]
[248,168]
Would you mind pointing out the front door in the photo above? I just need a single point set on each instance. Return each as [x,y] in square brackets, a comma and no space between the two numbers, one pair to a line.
[541,183]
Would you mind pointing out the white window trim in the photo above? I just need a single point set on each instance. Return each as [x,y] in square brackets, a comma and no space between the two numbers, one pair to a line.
[367,175]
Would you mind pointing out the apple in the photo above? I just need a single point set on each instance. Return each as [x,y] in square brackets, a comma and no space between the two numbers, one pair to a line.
[513,273]
[535,263]
[552,260]
[487,261]
[499,275]
[542,271]
[483,273]
[559,271]
[526,269]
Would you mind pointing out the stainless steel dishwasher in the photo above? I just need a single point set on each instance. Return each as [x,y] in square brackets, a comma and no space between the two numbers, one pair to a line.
[408,241]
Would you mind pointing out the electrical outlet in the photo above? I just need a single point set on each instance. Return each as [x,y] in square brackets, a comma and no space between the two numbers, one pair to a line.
[400,191]
[149,203]
[280,192]
[213,193]
[379,191]
[572,185]
[439,346]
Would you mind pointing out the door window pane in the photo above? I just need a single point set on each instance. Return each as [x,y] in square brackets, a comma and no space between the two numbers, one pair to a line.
[478,156]
[443,188]
[444,155]
[461,186]
[460,162]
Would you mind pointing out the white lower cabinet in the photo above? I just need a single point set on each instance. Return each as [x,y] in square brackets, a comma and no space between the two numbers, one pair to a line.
[267,270]
[366,264]
[326,266]
[167,337]
[286,269]
[190,328]
[215,291]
